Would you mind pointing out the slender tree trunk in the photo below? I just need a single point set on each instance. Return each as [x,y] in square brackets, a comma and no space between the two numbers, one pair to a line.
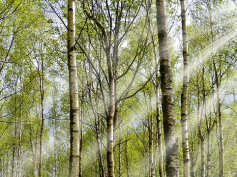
[55,150]
[2,167]
[99,144]
[13,160]
[192,174]
[203,169]
[158,132]
[42,116]
[120,151]
[198,112]
[217,81]
[151,166]
[15,137]
[55,139]
[111,113]
[73,94]
[7,165]
[171,141]
[208,155]
[159,136]
[184,96]
[201,131]
[219,115]
[110,146]
[81,137]
[150,131]
[126,154]
[221,144]
[35,154]
[18,170]
[33,151]
[13,153]
[98,134]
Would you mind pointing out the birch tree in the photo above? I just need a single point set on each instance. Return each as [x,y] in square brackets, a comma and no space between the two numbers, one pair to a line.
[171,141]
[73,93]
[184,95]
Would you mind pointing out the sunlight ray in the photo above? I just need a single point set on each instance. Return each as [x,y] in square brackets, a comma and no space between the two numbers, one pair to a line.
[137,118]
[205,54]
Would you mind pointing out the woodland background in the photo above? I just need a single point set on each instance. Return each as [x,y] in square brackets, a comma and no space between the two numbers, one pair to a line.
[34,87]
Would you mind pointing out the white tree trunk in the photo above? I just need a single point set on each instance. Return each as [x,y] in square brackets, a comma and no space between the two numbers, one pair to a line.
[73,94]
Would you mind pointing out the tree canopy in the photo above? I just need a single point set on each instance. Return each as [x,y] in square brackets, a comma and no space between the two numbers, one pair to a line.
[118,88]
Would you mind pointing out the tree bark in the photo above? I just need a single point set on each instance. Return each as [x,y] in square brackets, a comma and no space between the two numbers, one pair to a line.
[110,112]
[73,94]
[120,151]
[221,144]
[42,116]
[7,164]
[203,169]
[55,150]
[33,150]
[184,96]
[208,155]
[171,141]
[15,138]
[2,167]
[126,155]
[200,129]
[219,115]
[14,150]
[159,137]
[81,134]
[99,144]
[13,157]
[150,132]
[158,148]
[192,160]
[18,169]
